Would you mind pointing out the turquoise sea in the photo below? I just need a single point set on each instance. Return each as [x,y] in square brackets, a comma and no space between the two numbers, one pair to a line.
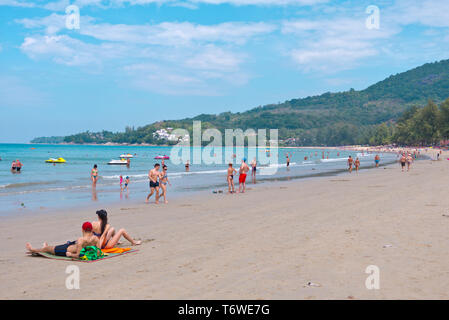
[43,186]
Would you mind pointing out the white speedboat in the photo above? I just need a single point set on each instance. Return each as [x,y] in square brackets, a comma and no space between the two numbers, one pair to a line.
[121,161]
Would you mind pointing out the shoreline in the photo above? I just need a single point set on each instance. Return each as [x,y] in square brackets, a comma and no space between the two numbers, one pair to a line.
[262,180]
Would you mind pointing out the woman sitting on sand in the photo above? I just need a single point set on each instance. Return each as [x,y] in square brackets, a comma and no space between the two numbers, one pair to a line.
[107,234]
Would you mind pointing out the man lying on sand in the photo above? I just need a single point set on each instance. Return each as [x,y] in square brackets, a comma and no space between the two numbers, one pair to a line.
[71,248]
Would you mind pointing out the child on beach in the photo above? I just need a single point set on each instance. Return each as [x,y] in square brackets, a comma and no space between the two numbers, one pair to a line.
[126,183]
[121,182]
[230,178]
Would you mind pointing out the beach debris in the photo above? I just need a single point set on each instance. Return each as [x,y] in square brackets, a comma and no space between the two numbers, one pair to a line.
[387,246]
[217,191]
[313,284]
[446,215]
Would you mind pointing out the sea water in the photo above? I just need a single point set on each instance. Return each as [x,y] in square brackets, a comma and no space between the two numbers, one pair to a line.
[41,186]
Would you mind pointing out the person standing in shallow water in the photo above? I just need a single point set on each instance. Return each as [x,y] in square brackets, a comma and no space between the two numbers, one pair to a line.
[350,161]
[377,160]
[254,169]
[94,175]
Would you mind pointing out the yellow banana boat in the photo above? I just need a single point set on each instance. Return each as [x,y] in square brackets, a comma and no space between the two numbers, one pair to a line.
[52,160]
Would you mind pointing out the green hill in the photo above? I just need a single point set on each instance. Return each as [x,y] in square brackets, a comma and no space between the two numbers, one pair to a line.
[350,117]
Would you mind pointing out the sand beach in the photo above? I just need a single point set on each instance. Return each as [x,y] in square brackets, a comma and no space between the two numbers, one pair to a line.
[268,243]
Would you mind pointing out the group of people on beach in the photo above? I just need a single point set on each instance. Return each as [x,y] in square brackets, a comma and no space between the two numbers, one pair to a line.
[98,233]
[356,163]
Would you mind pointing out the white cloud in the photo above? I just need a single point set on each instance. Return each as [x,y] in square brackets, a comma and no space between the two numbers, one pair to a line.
[60,5]
[333,45]
[165,33]
[177,33]
[432,13]
[190,58]
[16,3]
[65,50]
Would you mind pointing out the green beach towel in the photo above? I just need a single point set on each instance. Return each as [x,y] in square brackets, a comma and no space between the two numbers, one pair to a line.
[105,256]
[91,253]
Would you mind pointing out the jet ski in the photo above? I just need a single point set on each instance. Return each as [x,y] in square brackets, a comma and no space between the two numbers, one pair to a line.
[121,161]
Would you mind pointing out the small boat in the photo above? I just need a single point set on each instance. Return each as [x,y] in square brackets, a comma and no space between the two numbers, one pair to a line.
[126,155]
[121,161]
[165,157]
[53,160]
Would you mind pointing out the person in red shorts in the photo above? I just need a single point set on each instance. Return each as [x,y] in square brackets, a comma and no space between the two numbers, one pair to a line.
[242,176]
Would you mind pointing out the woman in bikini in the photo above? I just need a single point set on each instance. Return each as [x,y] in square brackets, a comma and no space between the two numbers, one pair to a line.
[163,179]
[230,178]
[94,175]
[107,234]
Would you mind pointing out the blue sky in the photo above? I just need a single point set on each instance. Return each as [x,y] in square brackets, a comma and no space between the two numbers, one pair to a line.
[133,62]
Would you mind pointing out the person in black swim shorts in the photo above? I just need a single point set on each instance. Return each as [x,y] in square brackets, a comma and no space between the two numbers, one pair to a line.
[71,248]
[153,175]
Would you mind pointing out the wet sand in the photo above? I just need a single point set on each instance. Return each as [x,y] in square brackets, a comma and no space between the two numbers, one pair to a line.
[265,244]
